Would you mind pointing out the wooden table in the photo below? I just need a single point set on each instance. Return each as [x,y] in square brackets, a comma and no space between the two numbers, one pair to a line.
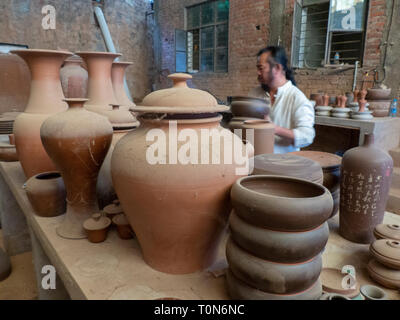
[115,269]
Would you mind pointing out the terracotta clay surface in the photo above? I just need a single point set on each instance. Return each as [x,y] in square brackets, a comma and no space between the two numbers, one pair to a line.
[284,247]
[249,107]
[45,99]
[389,278]
[387,231]
[113,209]
[238,290]
[96,227]
[387,252]
[77,141]
[46,193]
[270,276]
[365,181]
[8,152]
[281,203]
[74,78]
[123,227]
[332,278]
[117,77]
[379,108]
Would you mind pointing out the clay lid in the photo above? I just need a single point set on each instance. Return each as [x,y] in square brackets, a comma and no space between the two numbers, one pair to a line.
[122,63]
[114,208]
[97,53]
[121,119]
[179,99]
[325,159]
[288,165]
[120,219]
[387,252]
[39,52]
[386,276]
[256,124]
[332,278]
[387,231]
[97,222]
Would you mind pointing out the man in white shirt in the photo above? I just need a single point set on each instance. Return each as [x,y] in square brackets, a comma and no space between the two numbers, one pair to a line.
[291,112]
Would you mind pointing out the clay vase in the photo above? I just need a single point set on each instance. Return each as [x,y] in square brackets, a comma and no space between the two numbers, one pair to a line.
[77,141]
[355,94]
[318,98]
[365,176]
[326,100]
[45,99]
[74,78]
[185,205]
[117,76]
[46,193]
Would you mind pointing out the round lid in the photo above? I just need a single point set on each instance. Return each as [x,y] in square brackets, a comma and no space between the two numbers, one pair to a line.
[114,208]
[387,252]
[96,222]
[332,279]
[387,231]
[256,124]
[288,165]
[179,99]
[120,119]
[325,159]
[384,272]
[120,219]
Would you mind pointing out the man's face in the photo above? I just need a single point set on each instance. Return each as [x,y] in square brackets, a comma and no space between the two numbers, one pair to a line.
[264,70]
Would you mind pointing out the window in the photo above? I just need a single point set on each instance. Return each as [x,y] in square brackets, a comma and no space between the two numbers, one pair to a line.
[205,38]
[322,28]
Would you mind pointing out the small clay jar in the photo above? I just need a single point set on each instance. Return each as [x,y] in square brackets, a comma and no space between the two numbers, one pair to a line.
[11,138]
[46,193]
[387,231]
[96,227]
[385,276]
[387,252]
[373,293]
[123,227]
[74,78]
[113,209]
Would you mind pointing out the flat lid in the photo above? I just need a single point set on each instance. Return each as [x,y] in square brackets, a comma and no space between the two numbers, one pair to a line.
[387,231]
[96,222]
[383,271]
[113,209]
[120,219]
[325,159]
[179,99]
[332,278]
[388,249]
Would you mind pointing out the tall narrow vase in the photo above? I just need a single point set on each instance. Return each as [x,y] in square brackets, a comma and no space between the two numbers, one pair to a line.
[117,76]
[45,99]
[77,141]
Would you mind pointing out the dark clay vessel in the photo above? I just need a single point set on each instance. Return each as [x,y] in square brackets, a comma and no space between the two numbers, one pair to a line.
[365,181]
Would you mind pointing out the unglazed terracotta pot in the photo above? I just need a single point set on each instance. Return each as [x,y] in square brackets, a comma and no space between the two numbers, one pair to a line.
[74,78]
[389,278]
[281,203]
[185,205]
[238,290]
[318,98]
[46,192]
[378,94]
[117,76]
[123,227]
[96,227]
[77,141]
[365,176]
[387,231]
[283,247]
[272,277]
[45,99]
[249,107]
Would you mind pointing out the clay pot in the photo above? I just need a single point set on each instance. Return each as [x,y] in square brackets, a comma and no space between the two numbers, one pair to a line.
[373,293]
[96,227]
[318,98]
[238,290]
[332,279]
[15,82]
[5,265]
[74,78]
[362,104]
[362,95]
[45,99]
[333,296]
[123,227]
[380,108]
[46,192]
[270,276]
[117,76]
[186,206]
[386,252]
[387,231]
[77,141]
[282,247]
[365,181]
[249,107]
[261,134]
[385,276]
[378,94]
[8,152]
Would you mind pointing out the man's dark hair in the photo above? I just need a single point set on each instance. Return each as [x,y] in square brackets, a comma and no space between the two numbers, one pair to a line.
[278,55]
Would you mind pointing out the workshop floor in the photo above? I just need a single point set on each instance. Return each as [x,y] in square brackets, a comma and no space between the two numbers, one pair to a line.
[21,284]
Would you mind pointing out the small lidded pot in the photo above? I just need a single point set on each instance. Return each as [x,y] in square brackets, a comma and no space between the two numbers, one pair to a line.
[96,227]
[123,227]
[113,209]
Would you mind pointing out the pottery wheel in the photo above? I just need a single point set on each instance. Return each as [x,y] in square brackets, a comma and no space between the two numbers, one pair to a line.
[5,265]
[332,282]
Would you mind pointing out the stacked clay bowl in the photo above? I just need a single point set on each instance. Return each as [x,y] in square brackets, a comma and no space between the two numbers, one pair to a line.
[330,164]
[379,102]
[384,268]
[278,232]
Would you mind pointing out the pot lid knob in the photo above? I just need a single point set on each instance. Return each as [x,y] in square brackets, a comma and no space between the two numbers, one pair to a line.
[179,79]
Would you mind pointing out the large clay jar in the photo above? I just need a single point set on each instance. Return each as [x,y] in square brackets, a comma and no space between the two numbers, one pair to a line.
[77,141]
[177,206]
[365,176]
[117,76]
[74,78]
[45,99]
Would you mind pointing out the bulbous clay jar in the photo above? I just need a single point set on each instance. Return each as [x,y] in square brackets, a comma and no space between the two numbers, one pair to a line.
[238,290]
[283,247]
[281,203]
[117,75]
[45,99]
[77,141]
[74,78]
[272,277]
[177,209]
[46,192]
[366,175]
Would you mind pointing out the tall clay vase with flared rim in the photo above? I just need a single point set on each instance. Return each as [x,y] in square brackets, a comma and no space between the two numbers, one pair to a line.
[100,88]
[117,76]
[74,78]
[365,179]
[77,141]
[45,99]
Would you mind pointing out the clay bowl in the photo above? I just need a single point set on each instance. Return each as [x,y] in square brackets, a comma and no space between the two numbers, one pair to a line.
[96,227]
[373,293]
[387,252]
[380,113]
[379,105]
[124,229]
[277,246]
[378,94]
[387,231]
[281,203]
[238,290]
[270,276]
[385,276]
[249,107]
